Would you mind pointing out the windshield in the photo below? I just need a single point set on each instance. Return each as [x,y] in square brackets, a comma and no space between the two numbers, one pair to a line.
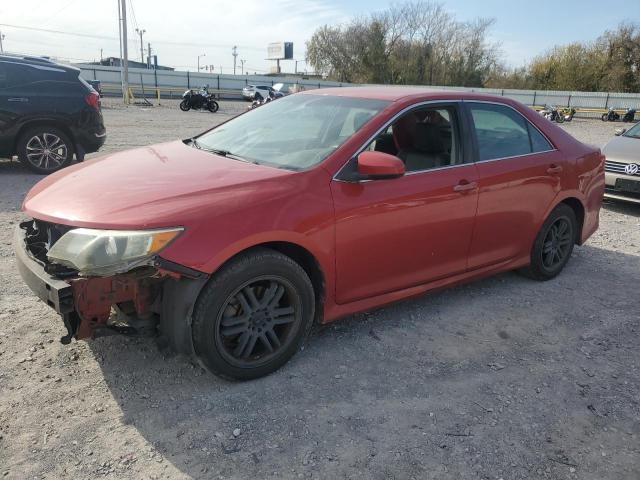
[633,131]
[294,132]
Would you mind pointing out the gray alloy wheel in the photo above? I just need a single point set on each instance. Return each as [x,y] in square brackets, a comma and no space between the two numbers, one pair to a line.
[253,315]
[553,245]
[45,150]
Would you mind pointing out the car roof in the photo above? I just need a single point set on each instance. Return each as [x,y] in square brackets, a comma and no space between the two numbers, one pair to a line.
[395,93]
[35,61]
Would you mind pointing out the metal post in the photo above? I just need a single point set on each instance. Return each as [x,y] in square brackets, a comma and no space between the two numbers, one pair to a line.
[569,101]
[188,81]
[234,51]
[1,38]
[125,52]
[120,40]
[606,103]
[141,32]
[534,98]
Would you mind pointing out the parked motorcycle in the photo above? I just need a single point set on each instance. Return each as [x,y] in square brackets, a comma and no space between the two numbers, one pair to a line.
[198,100]
[629,115]
[610,116]
[552,114]
[568,113]
[260,100]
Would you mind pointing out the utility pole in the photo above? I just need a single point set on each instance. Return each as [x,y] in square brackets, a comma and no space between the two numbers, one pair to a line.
[141,32]
[1,38]
[242,65]
[149,61]
[100,56]
[203,55]
[234,51]
[124,61]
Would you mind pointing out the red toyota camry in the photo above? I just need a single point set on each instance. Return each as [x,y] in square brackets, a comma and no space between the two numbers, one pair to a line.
[313,207]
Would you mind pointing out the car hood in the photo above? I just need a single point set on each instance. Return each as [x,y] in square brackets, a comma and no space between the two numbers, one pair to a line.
[169,184]
[623,149]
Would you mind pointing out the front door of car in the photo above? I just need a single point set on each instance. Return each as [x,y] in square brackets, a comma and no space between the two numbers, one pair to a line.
[397,233]
[519,173]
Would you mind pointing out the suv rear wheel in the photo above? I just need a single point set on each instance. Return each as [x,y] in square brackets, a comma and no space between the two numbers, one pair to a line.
[45,149]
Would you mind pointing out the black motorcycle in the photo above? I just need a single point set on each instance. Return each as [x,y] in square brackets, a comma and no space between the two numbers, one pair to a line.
[198,100]
[629,115]
[610,116]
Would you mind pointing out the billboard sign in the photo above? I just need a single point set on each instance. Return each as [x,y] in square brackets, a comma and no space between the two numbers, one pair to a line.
[280,51]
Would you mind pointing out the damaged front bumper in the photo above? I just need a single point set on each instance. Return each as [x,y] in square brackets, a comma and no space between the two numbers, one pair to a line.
[164,291]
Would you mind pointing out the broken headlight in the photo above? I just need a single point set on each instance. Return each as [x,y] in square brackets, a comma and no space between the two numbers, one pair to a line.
[107,252]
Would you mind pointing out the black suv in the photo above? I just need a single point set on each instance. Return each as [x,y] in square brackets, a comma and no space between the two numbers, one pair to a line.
[47,113]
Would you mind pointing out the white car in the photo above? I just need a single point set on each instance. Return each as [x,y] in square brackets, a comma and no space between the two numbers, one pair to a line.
[250,92]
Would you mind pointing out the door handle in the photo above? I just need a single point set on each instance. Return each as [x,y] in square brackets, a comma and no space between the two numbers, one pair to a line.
[465,186]
[554,169]
[17,99]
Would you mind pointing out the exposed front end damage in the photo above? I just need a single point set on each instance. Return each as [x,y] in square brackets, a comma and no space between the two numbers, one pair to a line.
[159,295]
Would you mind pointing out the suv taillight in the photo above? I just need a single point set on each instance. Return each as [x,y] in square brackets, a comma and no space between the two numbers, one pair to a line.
[93,100]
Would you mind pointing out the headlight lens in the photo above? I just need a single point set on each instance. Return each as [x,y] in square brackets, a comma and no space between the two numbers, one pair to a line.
[106,252]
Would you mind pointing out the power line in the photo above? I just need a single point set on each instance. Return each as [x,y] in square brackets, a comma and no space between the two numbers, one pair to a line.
[104,37]
[133,14]
[47,30]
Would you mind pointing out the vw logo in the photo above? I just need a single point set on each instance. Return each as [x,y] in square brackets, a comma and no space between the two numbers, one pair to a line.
[632,169]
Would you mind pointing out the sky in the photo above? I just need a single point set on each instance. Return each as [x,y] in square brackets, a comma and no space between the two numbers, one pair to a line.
[179,32]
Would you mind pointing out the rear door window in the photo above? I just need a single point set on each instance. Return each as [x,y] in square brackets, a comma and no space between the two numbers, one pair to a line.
[502,132]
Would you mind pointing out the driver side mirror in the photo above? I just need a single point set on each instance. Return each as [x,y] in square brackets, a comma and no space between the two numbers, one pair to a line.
[379,165]
[620,131]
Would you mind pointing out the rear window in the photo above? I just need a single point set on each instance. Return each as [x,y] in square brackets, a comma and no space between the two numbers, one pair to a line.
[502,132]
[14,74]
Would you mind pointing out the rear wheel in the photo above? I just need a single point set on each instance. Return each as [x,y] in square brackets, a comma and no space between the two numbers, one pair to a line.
[604,117]
[184,105]
[553,245]
[560,118]
[45,149]
[253,315]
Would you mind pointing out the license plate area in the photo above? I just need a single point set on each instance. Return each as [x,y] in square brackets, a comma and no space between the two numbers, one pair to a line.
[626,185]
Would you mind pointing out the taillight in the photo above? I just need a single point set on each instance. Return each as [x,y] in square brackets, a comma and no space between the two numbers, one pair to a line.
[93,100]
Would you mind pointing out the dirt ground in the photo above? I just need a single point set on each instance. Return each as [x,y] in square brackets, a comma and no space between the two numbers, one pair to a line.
[505,378]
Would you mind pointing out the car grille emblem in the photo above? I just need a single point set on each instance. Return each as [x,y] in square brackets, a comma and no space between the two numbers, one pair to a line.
[632,169]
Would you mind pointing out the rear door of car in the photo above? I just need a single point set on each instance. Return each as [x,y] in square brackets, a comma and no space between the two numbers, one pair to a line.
[519,175]
[393,234]
[14,100]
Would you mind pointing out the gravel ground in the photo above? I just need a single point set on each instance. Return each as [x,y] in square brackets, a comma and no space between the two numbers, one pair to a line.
[500,379]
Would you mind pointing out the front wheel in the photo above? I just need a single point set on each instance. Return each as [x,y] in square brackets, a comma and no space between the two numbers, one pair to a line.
[45,149]
[253,315]
[213,106]
[184,105]
[553,245]
[604,117]
[560,118]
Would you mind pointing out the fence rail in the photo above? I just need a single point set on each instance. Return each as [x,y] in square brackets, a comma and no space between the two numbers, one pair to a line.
[145,83]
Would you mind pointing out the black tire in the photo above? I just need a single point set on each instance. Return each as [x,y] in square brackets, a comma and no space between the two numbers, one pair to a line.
[559,118]
[213,106]
[604,117]
[242,295]
[556,247]
[45,149]
[184,105]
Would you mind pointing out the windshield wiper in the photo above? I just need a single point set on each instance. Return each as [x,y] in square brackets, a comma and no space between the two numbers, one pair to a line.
[219,151]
